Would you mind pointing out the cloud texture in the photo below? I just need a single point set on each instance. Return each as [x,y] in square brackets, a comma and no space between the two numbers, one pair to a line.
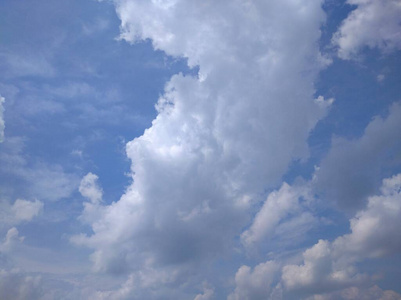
[373,24]
[220,138]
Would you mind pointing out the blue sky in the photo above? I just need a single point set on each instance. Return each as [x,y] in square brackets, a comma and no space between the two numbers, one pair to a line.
[200,150]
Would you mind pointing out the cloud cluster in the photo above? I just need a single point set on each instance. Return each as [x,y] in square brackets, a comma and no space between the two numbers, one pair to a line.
[220,138]
[375,24]
[329,269]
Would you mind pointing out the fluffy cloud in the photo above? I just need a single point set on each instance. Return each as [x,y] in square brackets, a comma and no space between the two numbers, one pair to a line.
[374,23]
[20,211]
[256,284]
[375,230]
[329,270]
[90,189]
[26,210]
[2,125]
[374,233]
[220,139]
[352,169]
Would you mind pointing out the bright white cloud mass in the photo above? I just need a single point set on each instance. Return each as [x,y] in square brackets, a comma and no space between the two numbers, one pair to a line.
[270,167]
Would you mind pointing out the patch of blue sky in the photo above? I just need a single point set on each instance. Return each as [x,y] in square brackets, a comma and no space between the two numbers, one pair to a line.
[74,89]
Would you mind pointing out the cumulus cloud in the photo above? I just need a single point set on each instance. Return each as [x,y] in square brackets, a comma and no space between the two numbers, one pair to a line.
[375,230]
[2,124]
[352,169]
[374,233]
[255,284]
[374,23]
[329,270]
[219,139]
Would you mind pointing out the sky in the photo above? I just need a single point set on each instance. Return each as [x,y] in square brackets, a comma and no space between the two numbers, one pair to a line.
[184,149]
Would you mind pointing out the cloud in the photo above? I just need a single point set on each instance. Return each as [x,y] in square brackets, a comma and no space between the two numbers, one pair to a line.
[329,270]
[375,24]
[219,139]
[373,292]
[375,230]
[26,176]
[256,284]
[329,266]
[2,123]
[21,211]
[90,189]
[26,210]
[14,284]
[282,216]
[352,169]
[208,293]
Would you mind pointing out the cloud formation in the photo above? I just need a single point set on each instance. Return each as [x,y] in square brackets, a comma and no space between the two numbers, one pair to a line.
[284,215]
[219,139]
[329,269]
[373,24]
[352,169]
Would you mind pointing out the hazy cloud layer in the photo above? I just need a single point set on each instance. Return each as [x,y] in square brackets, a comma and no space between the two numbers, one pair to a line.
[2,123]
[352,170]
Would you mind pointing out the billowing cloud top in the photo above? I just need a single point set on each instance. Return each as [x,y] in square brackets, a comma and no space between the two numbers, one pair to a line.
[250,183]
[220,138]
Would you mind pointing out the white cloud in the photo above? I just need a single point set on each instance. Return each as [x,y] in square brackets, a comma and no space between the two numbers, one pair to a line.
[25,210]
[208,293]
[256,284]
[319,272]
[90,189]
[281,215]
[2,124]
[219,140]
[329,270]
[19,212]
[374,23]
[375,232]
[352,169]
